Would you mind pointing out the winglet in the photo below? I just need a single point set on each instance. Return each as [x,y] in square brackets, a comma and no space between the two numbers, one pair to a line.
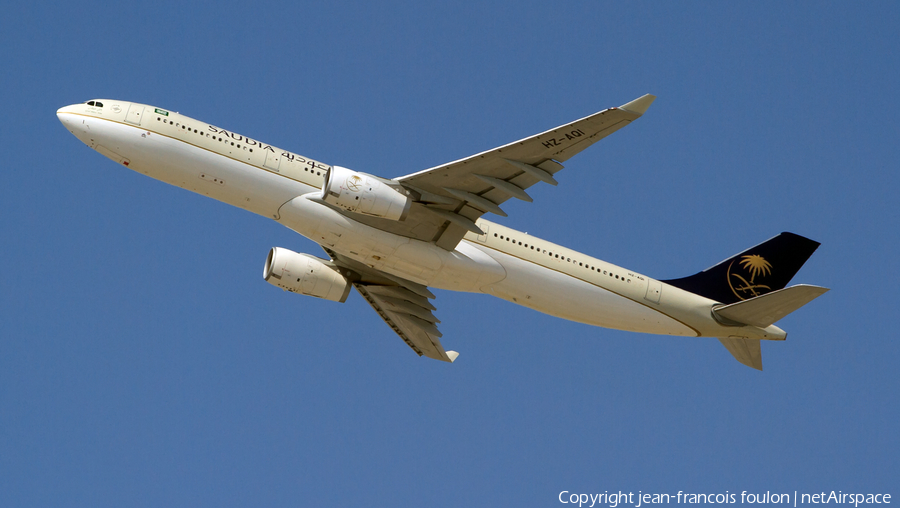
[639,106]
[452,356]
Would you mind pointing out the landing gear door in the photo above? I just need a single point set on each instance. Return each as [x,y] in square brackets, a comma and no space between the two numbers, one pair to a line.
[135,114]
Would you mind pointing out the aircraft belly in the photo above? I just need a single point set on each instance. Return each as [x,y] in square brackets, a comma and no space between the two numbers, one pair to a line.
[467,268]
[567,297]
[464,269]
[195,169]
[472,268]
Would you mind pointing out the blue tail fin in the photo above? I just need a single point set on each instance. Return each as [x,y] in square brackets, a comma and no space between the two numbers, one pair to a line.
[758,270]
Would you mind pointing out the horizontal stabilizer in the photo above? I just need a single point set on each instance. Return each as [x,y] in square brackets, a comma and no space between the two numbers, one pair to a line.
[745,351]
[766,309]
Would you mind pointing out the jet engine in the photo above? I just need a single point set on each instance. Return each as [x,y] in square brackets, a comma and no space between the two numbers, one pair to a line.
[305,274]
[364,194]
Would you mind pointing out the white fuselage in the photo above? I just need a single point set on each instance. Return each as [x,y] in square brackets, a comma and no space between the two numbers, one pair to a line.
[503,262]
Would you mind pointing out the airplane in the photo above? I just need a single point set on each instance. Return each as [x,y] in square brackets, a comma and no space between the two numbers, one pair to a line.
[393,239]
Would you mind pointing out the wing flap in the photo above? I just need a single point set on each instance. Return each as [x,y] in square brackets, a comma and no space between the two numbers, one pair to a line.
[402,293]
[414,323]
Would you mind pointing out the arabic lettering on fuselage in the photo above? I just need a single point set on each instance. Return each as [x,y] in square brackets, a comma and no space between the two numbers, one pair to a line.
[284,153]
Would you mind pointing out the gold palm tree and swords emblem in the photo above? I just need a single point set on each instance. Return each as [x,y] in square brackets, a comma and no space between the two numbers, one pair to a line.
[755,266]
[354,183]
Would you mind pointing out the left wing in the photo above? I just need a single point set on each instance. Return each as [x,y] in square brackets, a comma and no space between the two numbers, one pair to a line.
[402,304]
[463,190]
[449,198]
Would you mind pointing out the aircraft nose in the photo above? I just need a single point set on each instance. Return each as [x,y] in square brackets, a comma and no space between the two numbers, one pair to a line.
[66,115]
[66,109]
[74,122]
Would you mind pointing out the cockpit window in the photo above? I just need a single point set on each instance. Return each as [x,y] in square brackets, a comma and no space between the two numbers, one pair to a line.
[90,103]
[95,103]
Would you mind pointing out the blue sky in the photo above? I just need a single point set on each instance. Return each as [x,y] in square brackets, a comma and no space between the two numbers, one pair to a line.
[144,361]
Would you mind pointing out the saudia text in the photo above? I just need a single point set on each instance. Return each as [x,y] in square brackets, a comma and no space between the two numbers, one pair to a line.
[252,142]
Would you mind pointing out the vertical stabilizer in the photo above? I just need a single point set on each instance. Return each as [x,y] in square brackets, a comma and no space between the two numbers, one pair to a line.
[758,270]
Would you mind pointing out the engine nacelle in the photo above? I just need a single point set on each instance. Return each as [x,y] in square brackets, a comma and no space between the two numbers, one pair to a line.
[365,194]
[305,274]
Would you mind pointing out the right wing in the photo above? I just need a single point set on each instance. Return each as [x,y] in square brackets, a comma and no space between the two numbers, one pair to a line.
[409,315]
[402,304]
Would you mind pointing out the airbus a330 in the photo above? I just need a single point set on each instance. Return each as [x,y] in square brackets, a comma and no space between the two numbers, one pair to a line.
[393,239]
